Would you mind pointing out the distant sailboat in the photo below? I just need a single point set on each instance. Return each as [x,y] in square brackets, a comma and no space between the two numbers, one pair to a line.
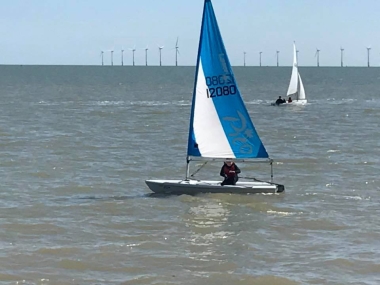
[296,90]
[220,126]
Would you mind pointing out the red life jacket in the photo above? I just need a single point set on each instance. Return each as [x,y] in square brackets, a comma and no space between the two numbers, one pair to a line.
[227,169]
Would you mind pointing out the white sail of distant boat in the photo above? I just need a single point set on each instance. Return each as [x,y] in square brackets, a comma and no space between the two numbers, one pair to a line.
[220,126]
[296,90]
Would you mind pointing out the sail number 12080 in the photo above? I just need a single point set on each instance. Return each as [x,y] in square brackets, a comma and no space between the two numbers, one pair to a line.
[221,91]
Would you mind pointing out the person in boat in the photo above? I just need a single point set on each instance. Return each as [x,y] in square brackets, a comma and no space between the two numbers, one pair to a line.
[290,100]
[230,173]
[280,101]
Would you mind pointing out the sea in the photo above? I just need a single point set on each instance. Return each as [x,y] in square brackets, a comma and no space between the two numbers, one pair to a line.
[78,142]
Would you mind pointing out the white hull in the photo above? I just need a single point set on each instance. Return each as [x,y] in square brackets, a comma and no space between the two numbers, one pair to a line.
[192,187]
[298,102]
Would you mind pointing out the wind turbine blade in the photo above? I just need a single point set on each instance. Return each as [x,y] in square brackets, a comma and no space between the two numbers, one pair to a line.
[176,44]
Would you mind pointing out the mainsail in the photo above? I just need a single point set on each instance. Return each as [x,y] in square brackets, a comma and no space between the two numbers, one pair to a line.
[293,85]
[220,126]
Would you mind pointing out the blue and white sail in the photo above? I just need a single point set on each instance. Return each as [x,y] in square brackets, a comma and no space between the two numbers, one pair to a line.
[220,126]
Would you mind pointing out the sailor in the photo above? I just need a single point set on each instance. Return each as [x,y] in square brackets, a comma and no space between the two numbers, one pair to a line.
[290,100]
[230,173]
[280,101]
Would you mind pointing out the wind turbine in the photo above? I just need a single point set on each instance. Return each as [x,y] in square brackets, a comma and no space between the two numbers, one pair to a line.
[277,52]
[176,52]
[297,51]
[146,55]
[244,57]
[101,54]
[260,52]
[160,49]
[111,56]
[368,49]
[341,56]
[133,54]
[122,56]
[317,55]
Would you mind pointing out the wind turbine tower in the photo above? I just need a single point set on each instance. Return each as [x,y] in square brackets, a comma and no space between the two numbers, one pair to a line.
[260,57]
[101,54]
[368,49]
[111,57]
[244,57]
[277,52]
[122,56]
[160,49]
[317,55]
[341,56]
[176,53]
[133,55]
[146,56]
[297,51]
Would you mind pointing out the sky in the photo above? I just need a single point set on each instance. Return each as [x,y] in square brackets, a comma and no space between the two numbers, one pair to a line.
[74,32]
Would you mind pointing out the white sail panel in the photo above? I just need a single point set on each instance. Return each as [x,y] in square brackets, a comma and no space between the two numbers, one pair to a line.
[301,95]
[208,130]
[293,85]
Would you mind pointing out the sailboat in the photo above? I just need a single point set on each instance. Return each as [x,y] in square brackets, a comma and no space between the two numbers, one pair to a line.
[220,126]
[296,89]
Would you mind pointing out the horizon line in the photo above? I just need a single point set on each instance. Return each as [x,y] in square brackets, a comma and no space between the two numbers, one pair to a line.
[143,65]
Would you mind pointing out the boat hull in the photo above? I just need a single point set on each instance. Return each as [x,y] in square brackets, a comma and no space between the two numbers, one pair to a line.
[293,103]
[192,187]
[298,102]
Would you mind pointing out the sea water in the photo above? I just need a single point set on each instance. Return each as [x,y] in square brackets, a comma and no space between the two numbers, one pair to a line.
[78,142]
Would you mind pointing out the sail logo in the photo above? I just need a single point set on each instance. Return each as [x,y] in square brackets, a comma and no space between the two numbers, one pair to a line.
[241,134]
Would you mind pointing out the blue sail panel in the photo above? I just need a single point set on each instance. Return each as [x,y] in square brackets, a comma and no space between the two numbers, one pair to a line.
[220,126]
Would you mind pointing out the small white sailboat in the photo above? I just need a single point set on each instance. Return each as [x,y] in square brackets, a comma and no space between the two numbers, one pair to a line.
[220,127]
[296,90]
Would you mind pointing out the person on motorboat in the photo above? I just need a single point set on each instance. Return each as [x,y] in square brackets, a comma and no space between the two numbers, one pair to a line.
[230,173]
[290,100]
[280,101]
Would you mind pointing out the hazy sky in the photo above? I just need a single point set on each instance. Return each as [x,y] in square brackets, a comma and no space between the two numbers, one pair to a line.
[75,31]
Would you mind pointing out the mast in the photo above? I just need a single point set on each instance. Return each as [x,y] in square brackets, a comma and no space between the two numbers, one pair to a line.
[195,86]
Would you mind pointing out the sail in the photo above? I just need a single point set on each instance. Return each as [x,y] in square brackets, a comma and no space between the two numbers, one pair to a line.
[220,126]
[301,95]
[293,85]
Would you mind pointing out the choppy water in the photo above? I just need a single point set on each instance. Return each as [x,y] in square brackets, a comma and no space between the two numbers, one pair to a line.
[77,143]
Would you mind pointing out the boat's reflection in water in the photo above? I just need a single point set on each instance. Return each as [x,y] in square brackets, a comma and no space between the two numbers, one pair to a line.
[208,231]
